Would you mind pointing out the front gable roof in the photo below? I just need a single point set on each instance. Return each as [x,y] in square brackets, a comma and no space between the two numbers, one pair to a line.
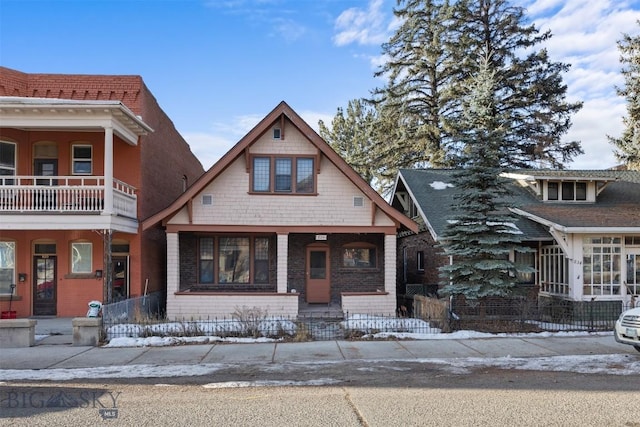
[277,115]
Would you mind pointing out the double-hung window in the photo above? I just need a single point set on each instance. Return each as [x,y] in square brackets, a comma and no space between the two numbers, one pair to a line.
[283,175]
[82,159]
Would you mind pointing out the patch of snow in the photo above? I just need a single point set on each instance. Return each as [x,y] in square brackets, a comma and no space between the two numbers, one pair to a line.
[272,383]
[439,185]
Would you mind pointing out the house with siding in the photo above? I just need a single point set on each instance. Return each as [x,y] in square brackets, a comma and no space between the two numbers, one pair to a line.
[280,223]
[83,160]
[583,224]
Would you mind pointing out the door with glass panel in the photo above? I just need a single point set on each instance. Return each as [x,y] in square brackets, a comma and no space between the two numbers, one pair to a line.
[318,286]
[633,272]
[44,285]
[45,198]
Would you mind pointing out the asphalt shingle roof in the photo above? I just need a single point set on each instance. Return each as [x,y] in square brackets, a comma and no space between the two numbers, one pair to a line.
[618,205]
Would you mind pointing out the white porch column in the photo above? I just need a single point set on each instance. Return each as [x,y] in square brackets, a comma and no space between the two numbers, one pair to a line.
[108,171]
[390,242]
[576,281]
[283,257]
[173,265]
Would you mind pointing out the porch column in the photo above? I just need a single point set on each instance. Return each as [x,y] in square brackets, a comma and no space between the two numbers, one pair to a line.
[173,266]
[576,291]
[282,260]
[390,242]
[108,171]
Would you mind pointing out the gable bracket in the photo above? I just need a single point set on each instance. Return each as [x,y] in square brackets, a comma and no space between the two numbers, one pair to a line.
[561,238]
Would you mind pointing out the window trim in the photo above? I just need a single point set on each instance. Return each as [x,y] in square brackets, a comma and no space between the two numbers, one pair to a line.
[13,278]
[294,187]
[561,191]
[420,261]
[90,263]
[360,246]
[216,259]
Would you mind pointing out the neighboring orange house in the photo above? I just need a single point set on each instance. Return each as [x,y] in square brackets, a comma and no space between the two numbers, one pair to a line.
[279,223]
[83,159]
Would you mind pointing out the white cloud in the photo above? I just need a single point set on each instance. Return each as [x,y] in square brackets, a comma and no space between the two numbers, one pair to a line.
[362,26]
[585,35]
[208,148]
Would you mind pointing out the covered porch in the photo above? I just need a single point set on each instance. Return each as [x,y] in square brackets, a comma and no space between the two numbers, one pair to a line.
[308,273]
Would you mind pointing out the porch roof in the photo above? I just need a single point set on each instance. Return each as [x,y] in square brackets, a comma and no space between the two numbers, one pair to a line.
[29,113]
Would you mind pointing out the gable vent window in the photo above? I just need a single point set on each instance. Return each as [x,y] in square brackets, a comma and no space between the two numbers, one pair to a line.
[276,133]
[358,201]
[207,199]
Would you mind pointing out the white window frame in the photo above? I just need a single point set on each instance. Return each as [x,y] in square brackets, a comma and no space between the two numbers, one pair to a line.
[78,264]
[8,265]
[602,265]
[77,160]
[554,271]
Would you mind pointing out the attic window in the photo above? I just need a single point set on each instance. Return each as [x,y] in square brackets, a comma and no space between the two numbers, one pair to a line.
[567,191]
[276,133]
[207,199]
[358,201]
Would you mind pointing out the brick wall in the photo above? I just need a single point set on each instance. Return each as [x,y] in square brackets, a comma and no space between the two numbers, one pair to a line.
[433,259]
[162,158]
[342,279]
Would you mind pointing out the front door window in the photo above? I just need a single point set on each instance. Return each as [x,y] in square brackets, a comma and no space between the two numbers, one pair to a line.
[318,285]
[44,285]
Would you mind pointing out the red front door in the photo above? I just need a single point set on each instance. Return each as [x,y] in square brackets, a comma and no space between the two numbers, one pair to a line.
[318,286]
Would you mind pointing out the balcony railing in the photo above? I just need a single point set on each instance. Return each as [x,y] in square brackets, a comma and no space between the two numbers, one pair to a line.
[64,194]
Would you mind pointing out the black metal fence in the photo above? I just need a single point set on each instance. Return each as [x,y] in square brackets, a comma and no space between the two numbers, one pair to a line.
[299,328]
[138,309]
[492,316]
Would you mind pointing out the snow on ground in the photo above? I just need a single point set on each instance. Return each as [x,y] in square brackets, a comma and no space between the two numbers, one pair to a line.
[612,364]
[373,327]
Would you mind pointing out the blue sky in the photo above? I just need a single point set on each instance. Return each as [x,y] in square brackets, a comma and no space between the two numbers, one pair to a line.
[219,66]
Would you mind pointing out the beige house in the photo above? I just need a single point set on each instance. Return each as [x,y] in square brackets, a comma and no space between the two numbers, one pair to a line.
[281,223]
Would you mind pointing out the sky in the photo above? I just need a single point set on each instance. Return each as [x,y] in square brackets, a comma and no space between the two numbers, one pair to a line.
[217,67]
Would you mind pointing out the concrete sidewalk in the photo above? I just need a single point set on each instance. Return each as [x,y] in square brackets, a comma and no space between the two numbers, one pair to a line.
[52,356]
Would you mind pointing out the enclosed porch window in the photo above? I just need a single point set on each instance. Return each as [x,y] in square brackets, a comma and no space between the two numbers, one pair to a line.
[233,260]
[601,265]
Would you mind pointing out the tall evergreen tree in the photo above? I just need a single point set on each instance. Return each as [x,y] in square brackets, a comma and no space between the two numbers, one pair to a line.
[351,136]
[482,234]
[628,145]
[416,105]
[429,66]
